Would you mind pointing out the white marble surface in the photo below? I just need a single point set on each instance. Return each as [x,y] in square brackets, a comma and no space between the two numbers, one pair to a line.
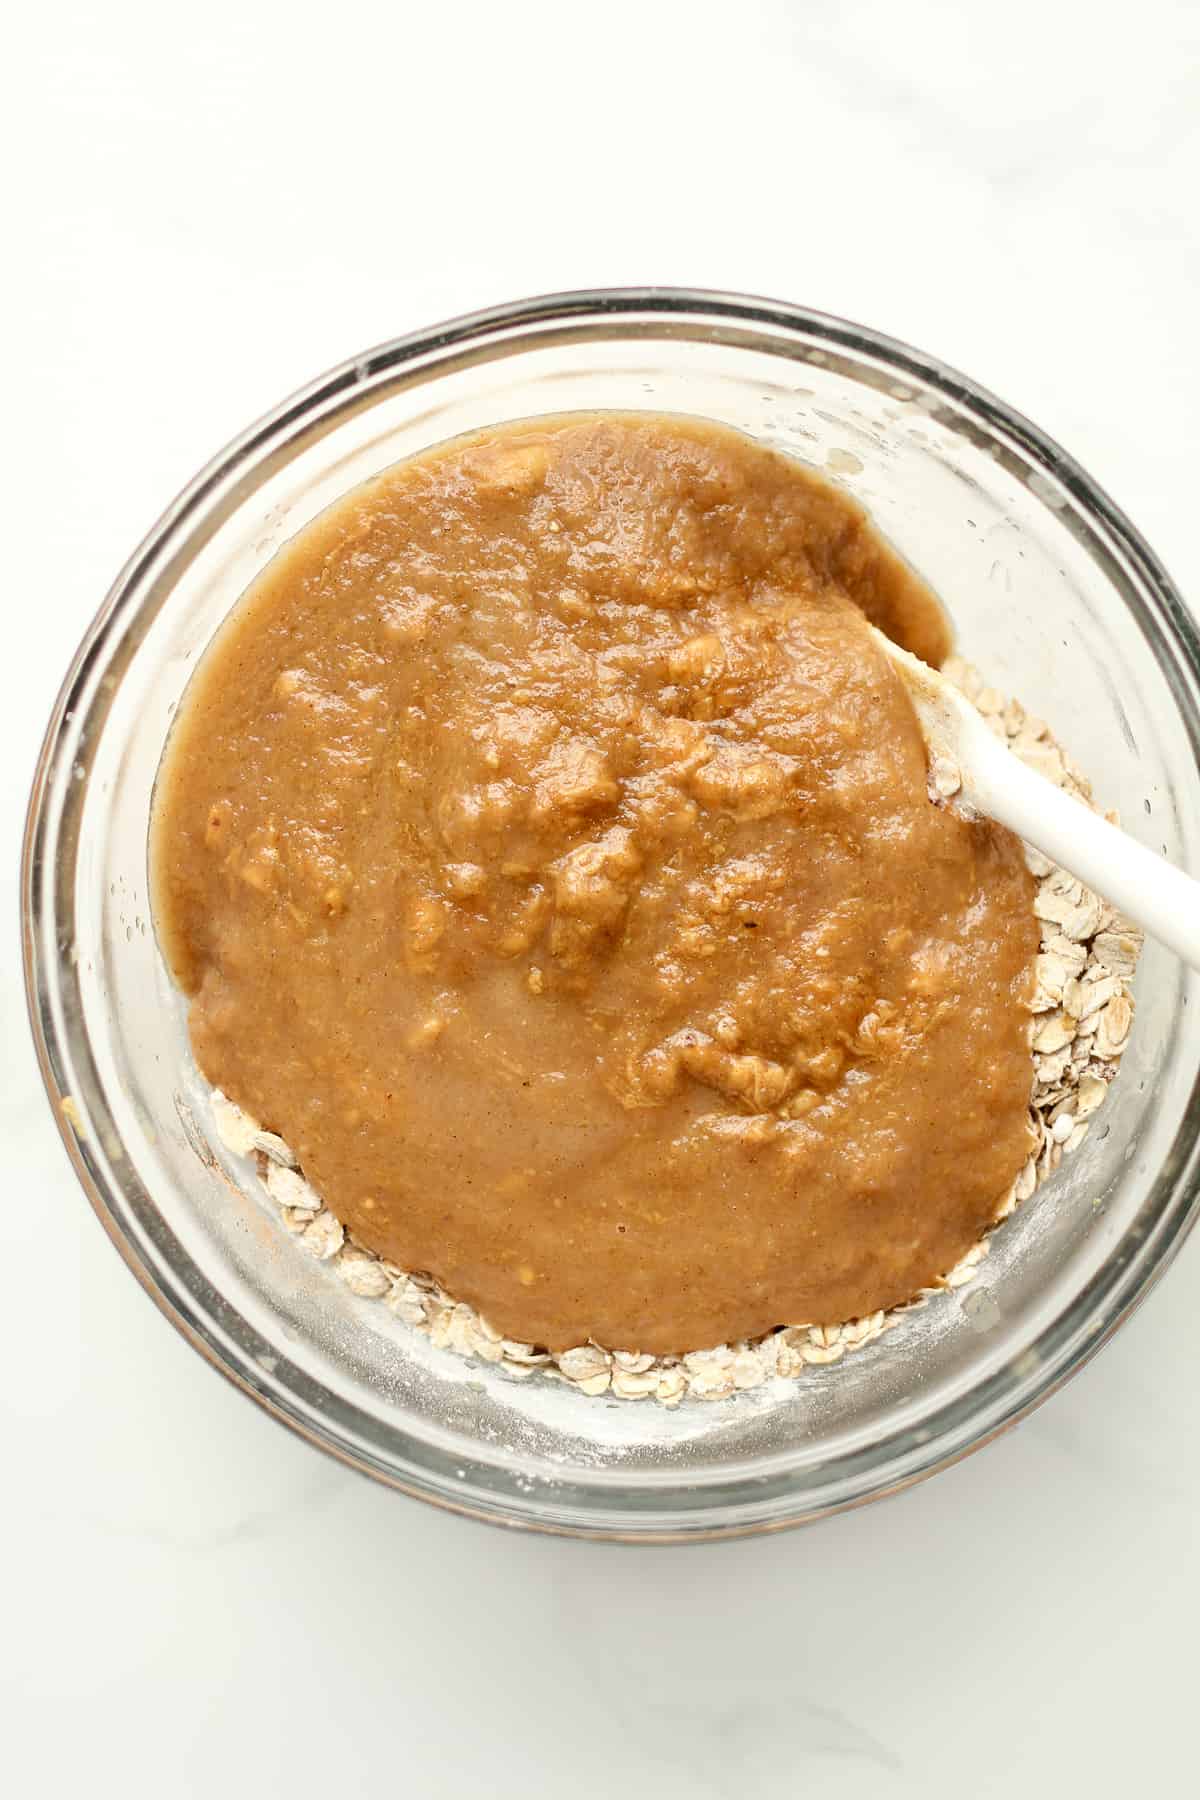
[212,205]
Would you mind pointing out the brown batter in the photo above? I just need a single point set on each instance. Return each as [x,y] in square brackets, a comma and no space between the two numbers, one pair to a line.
[546,849]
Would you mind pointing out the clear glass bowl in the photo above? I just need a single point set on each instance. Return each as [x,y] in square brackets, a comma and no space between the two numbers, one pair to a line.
[1055,596]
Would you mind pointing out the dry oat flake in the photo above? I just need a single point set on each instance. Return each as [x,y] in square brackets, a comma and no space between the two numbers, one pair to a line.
[1082,1013]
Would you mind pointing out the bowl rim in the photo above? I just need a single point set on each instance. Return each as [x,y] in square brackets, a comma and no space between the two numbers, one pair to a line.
[1063,1346]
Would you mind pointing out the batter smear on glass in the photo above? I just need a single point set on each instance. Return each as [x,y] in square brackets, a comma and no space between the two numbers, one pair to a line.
[547,853]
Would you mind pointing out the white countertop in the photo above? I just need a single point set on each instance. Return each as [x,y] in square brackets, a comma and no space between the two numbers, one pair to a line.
[213,206]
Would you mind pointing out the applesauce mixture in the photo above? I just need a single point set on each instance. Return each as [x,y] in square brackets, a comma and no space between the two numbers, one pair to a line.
[547,853]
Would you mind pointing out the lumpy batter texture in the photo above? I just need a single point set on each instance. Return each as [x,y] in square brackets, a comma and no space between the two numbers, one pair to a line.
[546,849]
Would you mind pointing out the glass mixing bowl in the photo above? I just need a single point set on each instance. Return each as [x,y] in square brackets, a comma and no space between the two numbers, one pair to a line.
[1052,592]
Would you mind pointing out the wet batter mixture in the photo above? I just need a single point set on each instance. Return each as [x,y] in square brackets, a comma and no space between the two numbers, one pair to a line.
[547,852]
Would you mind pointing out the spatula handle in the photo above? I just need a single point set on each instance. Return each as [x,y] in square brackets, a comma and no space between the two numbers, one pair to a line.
[1150,890]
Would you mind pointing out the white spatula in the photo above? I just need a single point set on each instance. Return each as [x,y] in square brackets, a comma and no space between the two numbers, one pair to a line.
[1150,890]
